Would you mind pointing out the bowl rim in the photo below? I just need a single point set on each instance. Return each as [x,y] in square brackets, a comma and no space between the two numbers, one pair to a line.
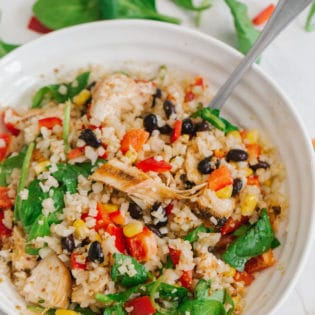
[197,34]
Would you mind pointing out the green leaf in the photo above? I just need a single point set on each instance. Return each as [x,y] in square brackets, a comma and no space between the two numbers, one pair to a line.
[139,273]
[275,243]
[133,9]
[117,309]
[256,241]
[201,307]
[310,25]
[168,291]
[202,289]
[67,175]
[39,228]
[56,14]
[192,236]
[66,126]
[6,48]
[245,30]
[188,4]
[84,311]
[242,230]
[72,89]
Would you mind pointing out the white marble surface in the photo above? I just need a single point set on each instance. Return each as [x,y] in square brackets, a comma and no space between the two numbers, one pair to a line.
[290,61]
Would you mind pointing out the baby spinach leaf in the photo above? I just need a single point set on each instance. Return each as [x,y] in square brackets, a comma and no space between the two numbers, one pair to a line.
[192,236]
[133,9]
[201,307]
[67,175]
[202,289]
[189,5]
[39,228]
[245,30]
[6,48]
[53,90]
[169,292]
[256,241]
[117,309]
[84,311]
[56,14]
[139,273]
[310,24]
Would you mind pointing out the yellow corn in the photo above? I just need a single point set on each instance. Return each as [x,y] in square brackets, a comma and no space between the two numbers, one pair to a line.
[225,192]
[234,164]
[248,171]
[81,229]
[82,98]
[234,134]
[252,136]
[131,155]
[65,312]
[109,207]
[133,229]
[236,300]
[41,167]
[248,204]
[267,183]
[230,273]
[95,237]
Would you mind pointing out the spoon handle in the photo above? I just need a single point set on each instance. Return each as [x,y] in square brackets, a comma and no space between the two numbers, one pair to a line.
[284,13]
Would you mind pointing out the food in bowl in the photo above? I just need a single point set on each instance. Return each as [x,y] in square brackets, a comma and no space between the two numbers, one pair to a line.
[126,195]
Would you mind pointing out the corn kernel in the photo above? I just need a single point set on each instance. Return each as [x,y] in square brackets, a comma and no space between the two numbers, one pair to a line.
[131,155]
[82,98]
[95,237]
[252,136]
[248,204]
[41,167]
[267,183]
[81,229]
[234,164]
[65,312]
[133,229]
[225,192]
[230,273]
[234,134]
[109,207]
[236,300]
[248,171]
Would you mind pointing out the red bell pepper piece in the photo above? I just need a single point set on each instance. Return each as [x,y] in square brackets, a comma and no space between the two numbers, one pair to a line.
[177,131]
[186,279]
[4,231]
[151,164]
[120,240]
[244,276]
[253,180]
[5,140]
[9,125]
[75,153]
[264,15]
[231,225]
[199,81]
[49,122]
[260,262]
[35,25]
[220,178]
[75,264]
[117,217]
[189,96]
[142,246]
[169,209]
[141,305]
[253,150]
[175,255]
[134,138]
[102,218]
[5,201]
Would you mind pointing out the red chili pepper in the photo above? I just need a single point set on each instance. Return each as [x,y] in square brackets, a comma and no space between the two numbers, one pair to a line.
[264,15]
[244,276]
[177,131]
[75,264]
[10,126]
[5,201]
[186,279]
[49,122]
[231,225]
[35,25]
[4,231]
[5,140]
[151,164]
[120,240]
[175,255]
[141,305]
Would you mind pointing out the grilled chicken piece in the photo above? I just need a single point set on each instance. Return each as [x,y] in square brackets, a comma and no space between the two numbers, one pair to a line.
[139,186]
[50,281]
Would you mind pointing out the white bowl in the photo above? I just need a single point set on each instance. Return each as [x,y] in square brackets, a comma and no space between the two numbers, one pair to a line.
[256,102]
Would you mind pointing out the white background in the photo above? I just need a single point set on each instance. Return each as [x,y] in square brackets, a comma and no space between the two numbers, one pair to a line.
[290,61]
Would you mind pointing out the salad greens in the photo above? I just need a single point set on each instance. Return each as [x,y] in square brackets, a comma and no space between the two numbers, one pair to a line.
[66,126]
[192,236]
[257,240]
[310,24]
[189,5]
[55,91]
[5,48]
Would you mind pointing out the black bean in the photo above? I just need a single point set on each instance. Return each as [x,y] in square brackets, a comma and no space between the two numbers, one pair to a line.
[260,164]
[237,186]
[166,130]
[135,211]
[202,126]
[210,249]
[169,108]
[158,94]
[89,137]
[86,241]
[276,210]
[207,165]
[221,221]
[95,252]
[155,230]
[187,127]
[159,222]
[67,243]
[237,155]
[150,122]
[187,183]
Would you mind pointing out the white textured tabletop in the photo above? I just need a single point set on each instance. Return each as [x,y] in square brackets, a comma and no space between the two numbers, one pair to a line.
[290,61]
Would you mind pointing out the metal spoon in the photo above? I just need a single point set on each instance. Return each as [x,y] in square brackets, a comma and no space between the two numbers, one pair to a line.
[284,13]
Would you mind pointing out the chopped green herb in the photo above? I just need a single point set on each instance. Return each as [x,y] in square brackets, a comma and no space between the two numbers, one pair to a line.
[6,48]
[310,25]
[66,126]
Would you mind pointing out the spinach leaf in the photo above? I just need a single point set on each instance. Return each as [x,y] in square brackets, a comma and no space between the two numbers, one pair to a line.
[39,228]
[192,236]
[84,311]
[6,48]
[275,243]
[169,292]
[8,165]
[56,14]
[117,309]
[133,9]
[67,175]
[310,25]
[202,289]
[201,307]
[245,30]
[53,90]
[256,241]
[188,4]
[137,271]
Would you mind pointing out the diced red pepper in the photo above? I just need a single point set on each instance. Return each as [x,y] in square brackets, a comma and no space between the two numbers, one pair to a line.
[186,279]
[75,153]
[264,15]
[151,164]
[177,131]
[175,255]
[244,276]
[10,126]
[49,122]
[199,81]
[102,218]
[5,201]
[141,305]
[35,25]
[142,246]
[5,140]
[169,209]
[231,225]
[4,231]
[134,138]
[253,150]
[120,240]
[189,96]
[253,180]
[220,178]
[75,264]
[117,217]
[260,262]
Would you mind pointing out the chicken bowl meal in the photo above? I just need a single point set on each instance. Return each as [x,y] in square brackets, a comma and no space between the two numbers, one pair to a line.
[122,192]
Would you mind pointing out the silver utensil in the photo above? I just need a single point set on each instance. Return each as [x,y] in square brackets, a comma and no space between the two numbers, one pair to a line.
[283,15]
